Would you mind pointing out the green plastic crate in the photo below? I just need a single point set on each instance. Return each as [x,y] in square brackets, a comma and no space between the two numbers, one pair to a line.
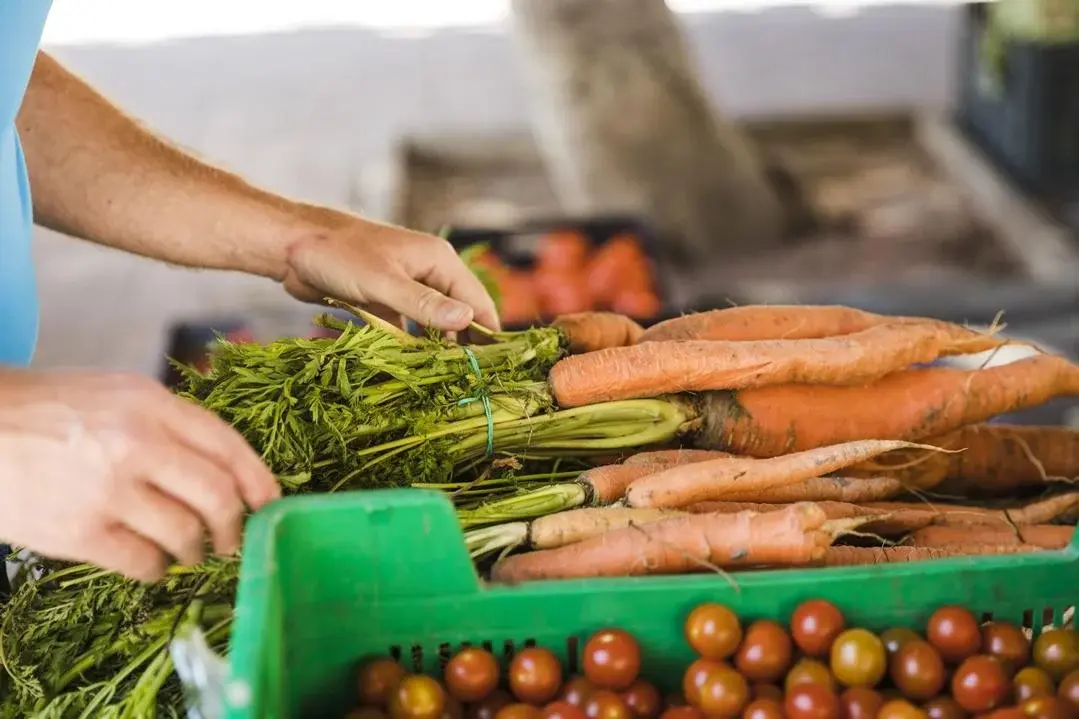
[328,580]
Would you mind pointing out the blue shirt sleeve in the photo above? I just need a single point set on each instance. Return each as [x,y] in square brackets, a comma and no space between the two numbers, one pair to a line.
[21,26]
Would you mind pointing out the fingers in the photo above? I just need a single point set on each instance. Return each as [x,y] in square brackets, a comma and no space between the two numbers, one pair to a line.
[424,304]
[166,522]
[452,277]
[122,550]
[215,439]
[207,492]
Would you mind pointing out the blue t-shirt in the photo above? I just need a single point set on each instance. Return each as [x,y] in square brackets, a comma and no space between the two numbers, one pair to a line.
[21,25]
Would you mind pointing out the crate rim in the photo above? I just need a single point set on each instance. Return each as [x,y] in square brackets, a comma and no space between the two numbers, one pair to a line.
[257,573]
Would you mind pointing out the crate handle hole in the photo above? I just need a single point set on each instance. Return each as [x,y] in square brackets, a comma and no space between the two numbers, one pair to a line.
[395,653]
[1028,618]
[572,651]
[417,658]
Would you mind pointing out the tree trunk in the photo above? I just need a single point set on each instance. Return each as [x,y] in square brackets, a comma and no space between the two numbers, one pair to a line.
[624,124]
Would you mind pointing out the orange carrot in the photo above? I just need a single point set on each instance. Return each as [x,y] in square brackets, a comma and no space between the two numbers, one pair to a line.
[796,536]
[873,520]
[851,556]
[912,404]
[831,489]
[1040,511]
[717,479]
[674,457]
[576,525]
[1045,536]
[607,483]
[998,459]
[653,369]
[772,322]
[591,331]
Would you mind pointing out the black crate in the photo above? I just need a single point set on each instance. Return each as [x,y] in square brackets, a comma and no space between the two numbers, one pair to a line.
[189,343]
[517,246]
[1030,127]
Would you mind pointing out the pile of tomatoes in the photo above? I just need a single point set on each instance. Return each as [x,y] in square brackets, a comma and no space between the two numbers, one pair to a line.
[570,275]
[816,668]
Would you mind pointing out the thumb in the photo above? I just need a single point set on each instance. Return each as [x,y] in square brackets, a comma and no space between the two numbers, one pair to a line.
[429,307]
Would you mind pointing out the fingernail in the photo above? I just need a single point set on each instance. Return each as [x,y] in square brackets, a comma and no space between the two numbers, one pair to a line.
[457,315]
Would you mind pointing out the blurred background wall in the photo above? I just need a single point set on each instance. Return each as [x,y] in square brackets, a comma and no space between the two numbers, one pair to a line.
[317,111]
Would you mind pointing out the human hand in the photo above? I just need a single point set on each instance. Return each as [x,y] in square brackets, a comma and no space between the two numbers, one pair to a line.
[115,470]
[391,271]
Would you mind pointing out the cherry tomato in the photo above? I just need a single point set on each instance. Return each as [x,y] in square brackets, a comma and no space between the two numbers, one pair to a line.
[417,697]
[643,699]
[1057,652]
[858,658]
[366,713]
[860,703]
[535,675]
[713,631]
[900,709]
[1032,682]
[811,701]
[377,678]
[576,690]
[767,691]
[562,710]
[1007,643]
[896,637]
[612,659]
[604,704]
[815,625]
[765,652]
[764,709]
[1047,708]
[944,708]
[954,632]
[980,684]
[918,671]
[811,671]
[1067,691]
[682,712]
[487,707]
[471,674]
[723,694]
[696,674]
[519,711]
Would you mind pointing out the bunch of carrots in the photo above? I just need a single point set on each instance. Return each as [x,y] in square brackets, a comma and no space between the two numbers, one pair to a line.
[571,275]
[822,437]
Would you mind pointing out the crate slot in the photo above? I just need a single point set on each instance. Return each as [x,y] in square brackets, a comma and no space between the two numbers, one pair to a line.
[529,643]
[488,647]
[1028,619]
[395,653]
[444,655]
[417,658]
[1048,617]
[987,617]
[508,650]
[572,653]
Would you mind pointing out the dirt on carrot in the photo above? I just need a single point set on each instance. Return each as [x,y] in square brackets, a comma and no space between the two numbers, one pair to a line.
[674,457]
[577,525]
[656,368]
[718,479]
[998,459]
[693,543]
[912,404]
[1039,511]
[1044,536]
[591,331]
[855,556]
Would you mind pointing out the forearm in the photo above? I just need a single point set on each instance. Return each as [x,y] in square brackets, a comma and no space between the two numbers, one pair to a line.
[95,173]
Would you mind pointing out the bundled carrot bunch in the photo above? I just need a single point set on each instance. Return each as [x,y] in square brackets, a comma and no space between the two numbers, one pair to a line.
[569,276]
[821,438]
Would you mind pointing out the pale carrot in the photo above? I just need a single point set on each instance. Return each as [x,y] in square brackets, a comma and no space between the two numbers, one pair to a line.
[1039,511]
[718,479]
[822,489]
[591,331]
[766,322]
[693,543]
[912,404]
[653,369]
[674,457]
[852,556]
[1045,536]
[576,525]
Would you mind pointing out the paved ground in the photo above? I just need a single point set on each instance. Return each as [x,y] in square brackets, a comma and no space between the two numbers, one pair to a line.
[317,114]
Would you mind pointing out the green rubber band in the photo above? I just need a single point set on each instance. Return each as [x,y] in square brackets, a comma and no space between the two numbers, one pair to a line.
[484,397]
